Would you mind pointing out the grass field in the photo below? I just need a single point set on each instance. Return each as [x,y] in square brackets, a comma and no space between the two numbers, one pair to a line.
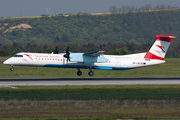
[91,102]
[169,69]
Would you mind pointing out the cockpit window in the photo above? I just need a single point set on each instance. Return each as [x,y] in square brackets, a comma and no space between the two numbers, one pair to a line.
[15,55]
[18,56]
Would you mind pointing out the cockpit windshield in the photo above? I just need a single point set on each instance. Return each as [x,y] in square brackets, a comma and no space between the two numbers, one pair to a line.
[18,56]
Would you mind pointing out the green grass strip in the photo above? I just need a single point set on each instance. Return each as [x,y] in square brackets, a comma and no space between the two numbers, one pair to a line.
[102,92]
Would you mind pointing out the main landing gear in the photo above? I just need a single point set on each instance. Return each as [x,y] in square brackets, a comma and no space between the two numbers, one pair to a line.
[90,73]
[11,68]
[79,73]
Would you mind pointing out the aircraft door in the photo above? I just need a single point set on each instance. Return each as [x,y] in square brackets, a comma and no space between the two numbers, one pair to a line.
[64,60]
[30,61]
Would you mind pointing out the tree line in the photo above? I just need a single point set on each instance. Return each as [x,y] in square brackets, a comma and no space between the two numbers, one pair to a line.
[137,27]
[115,33]
[118,48]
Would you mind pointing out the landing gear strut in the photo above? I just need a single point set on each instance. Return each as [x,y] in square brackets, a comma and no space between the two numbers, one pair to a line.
[11,68]
[79,73]
[90,71]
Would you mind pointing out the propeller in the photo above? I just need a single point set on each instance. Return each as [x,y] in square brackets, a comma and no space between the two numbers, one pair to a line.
[67,53]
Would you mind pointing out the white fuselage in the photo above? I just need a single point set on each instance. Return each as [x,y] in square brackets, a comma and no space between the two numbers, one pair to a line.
[114,62]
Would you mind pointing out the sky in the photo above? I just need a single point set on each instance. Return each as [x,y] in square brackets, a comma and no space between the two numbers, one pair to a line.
[21,8]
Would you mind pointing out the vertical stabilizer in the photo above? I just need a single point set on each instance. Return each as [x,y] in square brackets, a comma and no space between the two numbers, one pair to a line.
[159,48]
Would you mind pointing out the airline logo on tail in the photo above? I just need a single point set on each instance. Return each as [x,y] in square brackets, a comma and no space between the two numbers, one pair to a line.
[160,47]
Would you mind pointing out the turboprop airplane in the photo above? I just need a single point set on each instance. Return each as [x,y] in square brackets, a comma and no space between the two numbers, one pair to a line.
[95,60]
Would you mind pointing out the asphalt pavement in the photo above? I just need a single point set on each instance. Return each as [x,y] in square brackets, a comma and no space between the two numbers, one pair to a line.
[88,81]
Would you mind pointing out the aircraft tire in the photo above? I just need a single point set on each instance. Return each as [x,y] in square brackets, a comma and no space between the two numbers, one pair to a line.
[11,69]
[91,73]
[79,73]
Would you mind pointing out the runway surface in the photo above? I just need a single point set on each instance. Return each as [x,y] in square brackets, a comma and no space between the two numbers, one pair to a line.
[87,81]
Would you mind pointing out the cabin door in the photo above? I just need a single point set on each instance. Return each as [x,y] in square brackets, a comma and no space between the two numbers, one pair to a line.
[64,61]
[30,61]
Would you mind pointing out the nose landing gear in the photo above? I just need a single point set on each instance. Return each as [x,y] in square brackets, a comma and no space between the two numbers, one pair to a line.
[11,68]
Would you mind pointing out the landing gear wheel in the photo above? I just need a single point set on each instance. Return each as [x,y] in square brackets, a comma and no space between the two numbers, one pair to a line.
[11,68]
[79,73]
[91,73]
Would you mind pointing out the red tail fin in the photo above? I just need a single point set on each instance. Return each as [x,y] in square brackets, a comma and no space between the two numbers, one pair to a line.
[159,48]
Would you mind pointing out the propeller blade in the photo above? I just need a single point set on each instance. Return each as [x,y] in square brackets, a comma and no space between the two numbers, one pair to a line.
[67,51]
[67,54]
[56,51]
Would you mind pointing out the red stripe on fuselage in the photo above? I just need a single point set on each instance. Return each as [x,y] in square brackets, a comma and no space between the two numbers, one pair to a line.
[149,55]
[28,56]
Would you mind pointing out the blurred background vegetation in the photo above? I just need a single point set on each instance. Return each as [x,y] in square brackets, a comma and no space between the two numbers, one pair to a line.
[127,29]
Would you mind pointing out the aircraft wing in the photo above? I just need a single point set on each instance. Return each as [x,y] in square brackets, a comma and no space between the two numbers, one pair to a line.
[95,54]
[88,58]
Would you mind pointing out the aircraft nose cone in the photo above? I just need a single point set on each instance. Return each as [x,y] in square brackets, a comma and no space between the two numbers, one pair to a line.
[7,62]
